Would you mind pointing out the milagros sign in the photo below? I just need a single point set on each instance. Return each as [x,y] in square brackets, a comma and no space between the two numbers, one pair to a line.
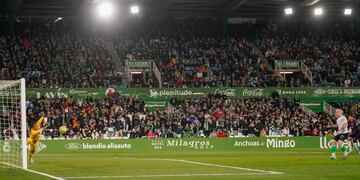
[183,143]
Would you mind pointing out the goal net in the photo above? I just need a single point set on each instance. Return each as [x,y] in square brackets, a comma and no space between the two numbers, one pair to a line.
[13,124]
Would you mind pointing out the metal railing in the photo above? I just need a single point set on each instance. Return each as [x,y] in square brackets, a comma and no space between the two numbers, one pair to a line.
[127,71]
[157,73]
[277,71]
[308,111]
[329,108]
[170,109]
[306,71]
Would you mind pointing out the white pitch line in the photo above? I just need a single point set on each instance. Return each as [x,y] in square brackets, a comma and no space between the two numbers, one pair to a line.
[223,166]
[208,164]
[35,172]
[165,175]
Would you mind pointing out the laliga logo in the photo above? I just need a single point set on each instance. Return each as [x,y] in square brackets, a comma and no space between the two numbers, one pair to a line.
[6,148]
[73,146]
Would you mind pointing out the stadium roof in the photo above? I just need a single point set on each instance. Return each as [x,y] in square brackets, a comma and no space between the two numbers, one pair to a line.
[263,9]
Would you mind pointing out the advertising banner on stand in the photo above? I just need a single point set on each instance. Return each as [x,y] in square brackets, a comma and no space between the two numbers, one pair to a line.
[178,145]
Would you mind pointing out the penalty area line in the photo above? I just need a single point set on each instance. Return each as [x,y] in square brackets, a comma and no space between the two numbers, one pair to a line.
[32,171]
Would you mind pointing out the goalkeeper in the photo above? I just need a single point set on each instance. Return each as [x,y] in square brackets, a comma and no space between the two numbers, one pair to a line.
[34,138]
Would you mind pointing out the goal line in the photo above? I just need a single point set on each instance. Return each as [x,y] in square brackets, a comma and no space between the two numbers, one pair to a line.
[32,171]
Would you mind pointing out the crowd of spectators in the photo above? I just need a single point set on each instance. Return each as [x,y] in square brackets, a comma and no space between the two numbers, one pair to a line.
[332,54]
[187,54]
[53,56]
[352,108]
[117,116]
[201,61]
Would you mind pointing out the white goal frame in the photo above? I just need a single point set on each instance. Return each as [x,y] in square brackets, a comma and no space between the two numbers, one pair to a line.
[23,123]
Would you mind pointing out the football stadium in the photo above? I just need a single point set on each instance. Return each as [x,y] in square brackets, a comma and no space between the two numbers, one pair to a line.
[179,89]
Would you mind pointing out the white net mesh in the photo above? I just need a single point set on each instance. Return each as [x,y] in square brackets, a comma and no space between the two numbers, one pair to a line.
[10,124]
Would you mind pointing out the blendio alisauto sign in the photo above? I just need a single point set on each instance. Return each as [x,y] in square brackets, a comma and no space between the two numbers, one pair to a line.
[89,146]
[269,143]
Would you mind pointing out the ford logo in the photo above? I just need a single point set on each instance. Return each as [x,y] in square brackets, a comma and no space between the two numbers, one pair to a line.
[73,146]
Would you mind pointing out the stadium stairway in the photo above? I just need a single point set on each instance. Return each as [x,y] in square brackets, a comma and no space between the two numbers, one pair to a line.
[118,62]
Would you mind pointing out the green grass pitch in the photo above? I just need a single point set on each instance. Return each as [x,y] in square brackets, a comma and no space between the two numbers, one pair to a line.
[260,164]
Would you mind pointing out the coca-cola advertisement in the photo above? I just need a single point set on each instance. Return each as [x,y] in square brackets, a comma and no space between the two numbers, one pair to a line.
[253,92]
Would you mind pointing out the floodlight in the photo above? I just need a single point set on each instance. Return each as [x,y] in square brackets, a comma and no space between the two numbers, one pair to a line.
[318,11]
[105,9]
[134,9]
[347,11]
[288,11]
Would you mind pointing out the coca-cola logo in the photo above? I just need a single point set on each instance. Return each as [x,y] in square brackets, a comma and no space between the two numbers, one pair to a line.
[253,92]
[225,92]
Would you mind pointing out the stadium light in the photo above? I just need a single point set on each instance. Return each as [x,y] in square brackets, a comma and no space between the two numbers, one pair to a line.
[347,12]
[58,19]
[105,9]
[134,9]
[286,72]
[95,1]
[318,11]
[288,11]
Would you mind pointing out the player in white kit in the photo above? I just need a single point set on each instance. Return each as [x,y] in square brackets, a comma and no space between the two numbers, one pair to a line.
[341,135]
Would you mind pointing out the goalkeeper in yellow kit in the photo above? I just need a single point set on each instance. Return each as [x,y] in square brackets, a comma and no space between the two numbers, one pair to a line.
[34,138]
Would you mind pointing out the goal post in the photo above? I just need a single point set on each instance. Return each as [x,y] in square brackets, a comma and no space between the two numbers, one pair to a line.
[13,149]
[23,123]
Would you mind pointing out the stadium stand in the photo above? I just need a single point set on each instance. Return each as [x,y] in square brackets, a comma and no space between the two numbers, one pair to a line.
[56,56]
[117,116]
